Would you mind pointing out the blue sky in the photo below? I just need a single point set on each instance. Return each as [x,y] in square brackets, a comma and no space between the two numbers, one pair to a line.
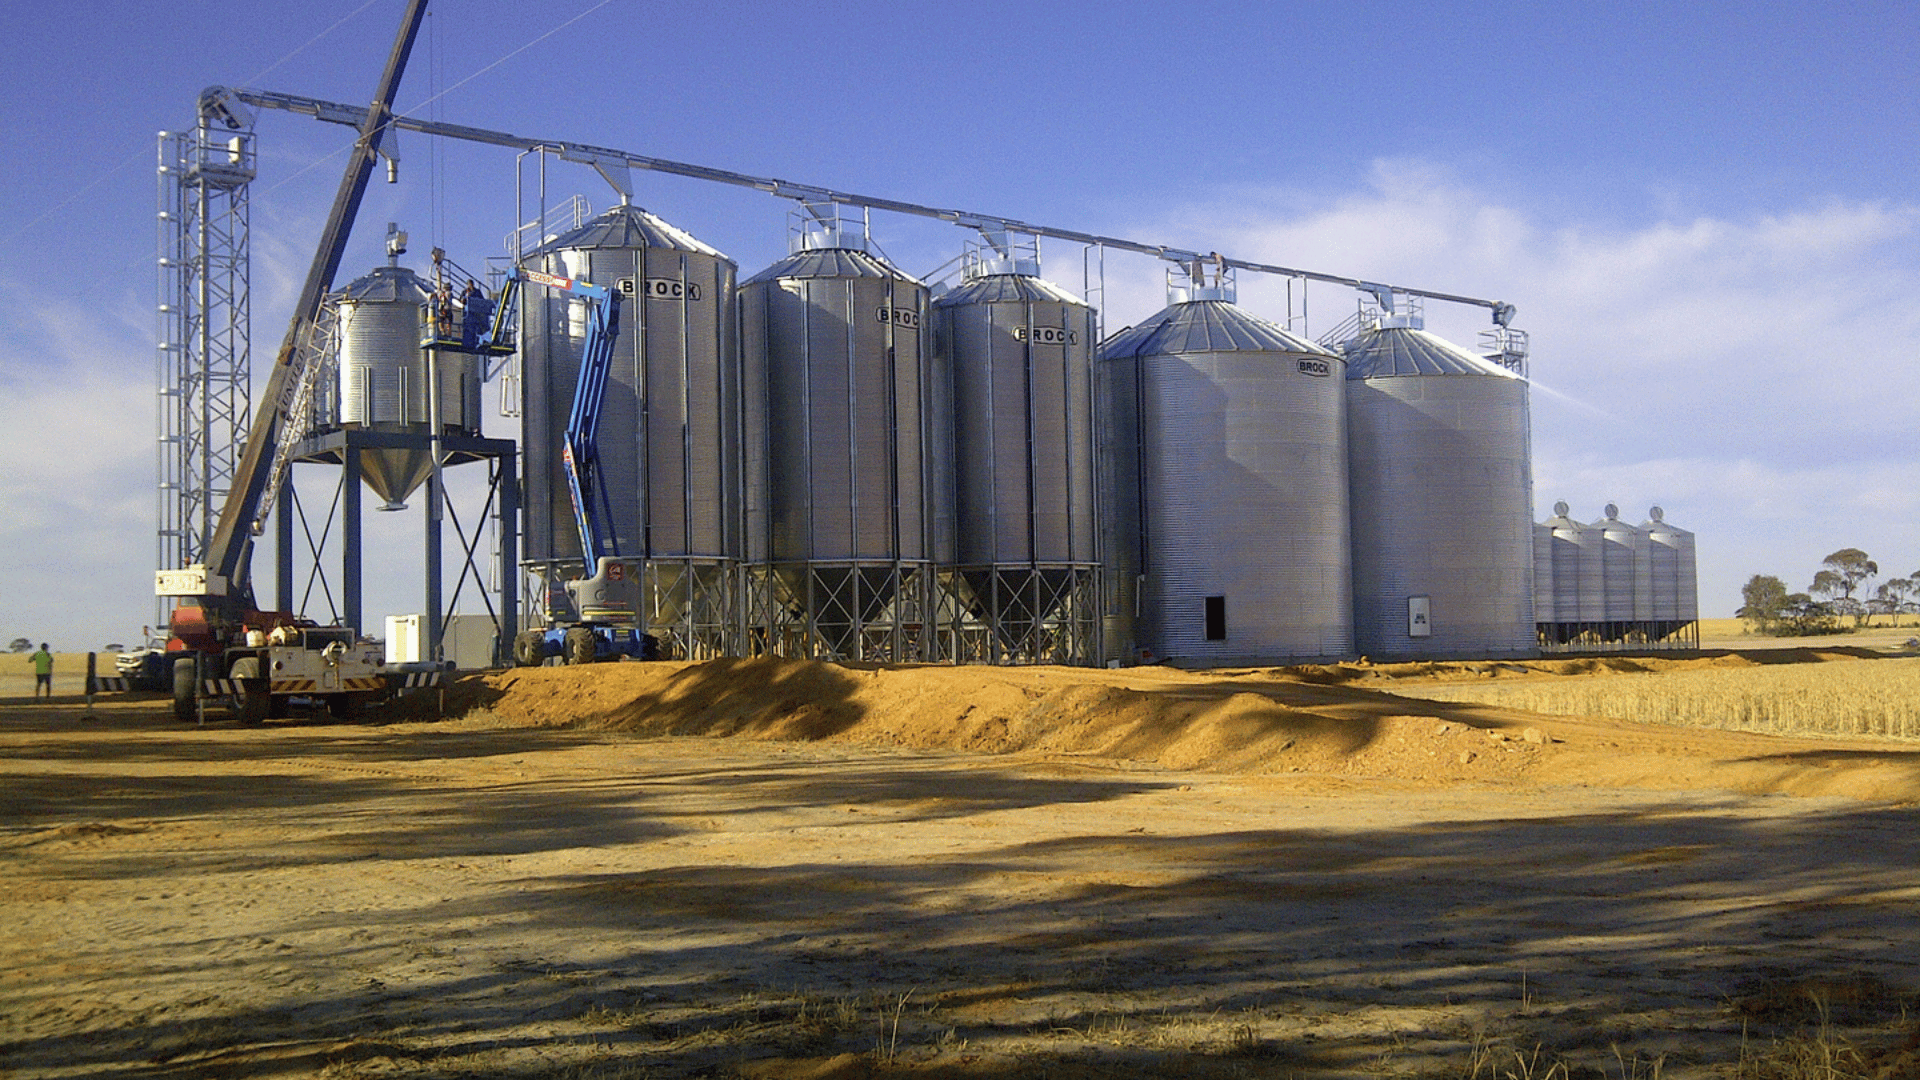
[1705,213]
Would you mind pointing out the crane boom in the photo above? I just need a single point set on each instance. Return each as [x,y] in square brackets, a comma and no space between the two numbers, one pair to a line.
[225,556]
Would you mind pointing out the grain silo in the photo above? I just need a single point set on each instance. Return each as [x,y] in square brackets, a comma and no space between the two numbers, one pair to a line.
[1575,604]
[839,463]
[1228,484]
[669,442]
[1672,580]
[1441,489]
[383,377]
[1024,582]
[1623,549]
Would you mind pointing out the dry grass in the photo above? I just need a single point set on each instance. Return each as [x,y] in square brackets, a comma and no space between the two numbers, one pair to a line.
[1863,697]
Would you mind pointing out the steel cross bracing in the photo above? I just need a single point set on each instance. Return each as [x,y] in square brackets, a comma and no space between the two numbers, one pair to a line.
[614,164]
[203,369]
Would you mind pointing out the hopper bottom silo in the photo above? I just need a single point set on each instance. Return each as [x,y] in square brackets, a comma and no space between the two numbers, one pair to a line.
[876,612]
[1021,614]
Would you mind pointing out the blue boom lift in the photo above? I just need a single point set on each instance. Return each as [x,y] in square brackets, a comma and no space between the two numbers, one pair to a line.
[601,616]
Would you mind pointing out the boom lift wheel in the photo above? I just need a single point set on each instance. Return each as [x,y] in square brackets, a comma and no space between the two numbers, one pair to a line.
[579,646]
[528,649]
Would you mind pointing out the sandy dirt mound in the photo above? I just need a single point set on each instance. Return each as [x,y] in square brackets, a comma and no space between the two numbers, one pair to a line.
[1326,720]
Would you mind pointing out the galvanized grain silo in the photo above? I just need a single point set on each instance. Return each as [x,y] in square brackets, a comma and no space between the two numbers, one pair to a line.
[383,377]
[841,527]
[669,441]
[1227,436]
[1024,582]
[1544,610]
[1441,489]
[1624,555]
[1672,577]
[1570,552]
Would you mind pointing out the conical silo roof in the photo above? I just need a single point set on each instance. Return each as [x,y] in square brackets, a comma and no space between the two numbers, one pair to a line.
[1205,326]
[1007,288]
[1658,524]
[832,263]
[1403,350]
[386,285]
[626,227]
[1561,520]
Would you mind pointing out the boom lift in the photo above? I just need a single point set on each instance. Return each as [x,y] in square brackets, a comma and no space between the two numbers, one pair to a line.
[596,617]
[227,644]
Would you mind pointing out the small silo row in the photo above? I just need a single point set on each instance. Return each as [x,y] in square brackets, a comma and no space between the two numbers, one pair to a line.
[1613,583]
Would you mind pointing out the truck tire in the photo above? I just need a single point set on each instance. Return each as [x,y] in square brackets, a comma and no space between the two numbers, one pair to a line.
[186,689]
[529,649]
[251,699]
[579,646]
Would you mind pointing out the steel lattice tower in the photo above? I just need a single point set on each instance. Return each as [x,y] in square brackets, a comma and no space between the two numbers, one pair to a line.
[203,369]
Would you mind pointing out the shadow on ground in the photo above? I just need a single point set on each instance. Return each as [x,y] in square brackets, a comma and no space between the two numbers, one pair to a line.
[1672,928]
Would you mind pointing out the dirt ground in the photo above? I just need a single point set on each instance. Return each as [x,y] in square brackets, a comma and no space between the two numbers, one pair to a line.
[780,869]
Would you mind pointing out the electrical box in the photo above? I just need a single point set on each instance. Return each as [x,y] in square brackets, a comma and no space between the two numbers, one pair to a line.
[1419,616]
[406,639]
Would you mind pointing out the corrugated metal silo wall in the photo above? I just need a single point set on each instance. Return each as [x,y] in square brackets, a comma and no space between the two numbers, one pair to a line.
[1023,430]
[1689,580]
[1663,578]
[1116,390]
[459,391]
[1442,508]
[1244,477]
[1675,578]
[837,461]
[1545,607]
[1621,545]
[383,377]
[669,439]
[1590,578]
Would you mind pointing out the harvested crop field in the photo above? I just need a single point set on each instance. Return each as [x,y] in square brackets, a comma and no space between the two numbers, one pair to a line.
[774,869]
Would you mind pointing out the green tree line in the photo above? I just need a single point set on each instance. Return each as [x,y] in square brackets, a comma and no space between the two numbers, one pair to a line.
[1841,595]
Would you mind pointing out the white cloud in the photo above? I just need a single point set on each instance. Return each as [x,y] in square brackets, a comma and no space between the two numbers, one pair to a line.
[76,474]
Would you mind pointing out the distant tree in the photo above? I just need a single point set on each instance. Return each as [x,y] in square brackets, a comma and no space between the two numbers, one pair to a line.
[1891,598]
[1803,615]
[1765,600]
[20,644]
[112,646]
[1852,568]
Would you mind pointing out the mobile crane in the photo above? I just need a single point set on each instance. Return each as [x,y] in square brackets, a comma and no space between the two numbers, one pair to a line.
[226,644]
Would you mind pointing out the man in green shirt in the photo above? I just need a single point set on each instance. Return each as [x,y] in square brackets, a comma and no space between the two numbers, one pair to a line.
[42,671]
